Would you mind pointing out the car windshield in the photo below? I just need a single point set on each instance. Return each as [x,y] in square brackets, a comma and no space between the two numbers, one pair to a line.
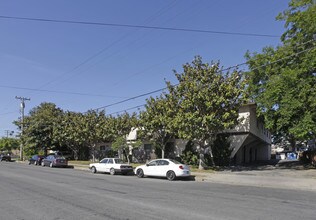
[105,160]
[118,161]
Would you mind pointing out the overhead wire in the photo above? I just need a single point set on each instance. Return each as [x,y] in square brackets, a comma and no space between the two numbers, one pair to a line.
[113,113]
[160,11]
[7,113]
[125,25]
[139,26]
[90,58]
[92,23]
[56,91]
[228,68]
[129,44]
[225,69]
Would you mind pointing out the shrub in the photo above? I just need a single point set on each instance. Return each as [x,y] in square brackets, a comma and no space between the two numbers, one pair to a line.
[189,155]
[308,157]
[221,150]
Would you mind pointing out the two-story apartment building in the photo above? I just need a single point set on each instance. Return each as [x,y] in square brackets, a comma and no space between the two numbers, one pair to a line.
[250,141]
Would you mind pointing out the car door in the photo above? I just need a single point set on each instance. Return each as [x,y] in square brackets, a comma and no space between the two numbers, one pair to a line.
[33,159]
[109,165]
[151,168]
[162,168]
[47,160]
[102,165]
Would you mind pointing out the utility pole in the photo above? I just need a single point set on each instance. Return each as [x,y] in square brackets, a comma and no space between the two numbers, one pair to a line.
[8,133]
[22,107]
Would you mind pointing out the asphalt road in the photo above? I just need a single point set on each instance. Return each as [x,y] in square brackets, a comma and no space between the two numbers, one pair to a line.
[34,192]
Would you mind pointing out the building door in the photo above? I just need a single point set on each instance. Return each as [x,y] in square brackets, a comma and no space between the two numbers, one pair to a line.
[244,154]
[147,148]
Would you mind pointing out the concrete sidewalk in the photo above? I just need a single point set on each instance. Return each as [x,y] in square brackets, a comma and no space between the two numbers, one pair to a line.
[262,179]
[282,175]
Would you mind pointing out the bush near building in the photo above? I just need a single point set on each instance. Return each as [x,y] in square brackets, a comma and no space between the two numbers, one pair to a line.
[308,157]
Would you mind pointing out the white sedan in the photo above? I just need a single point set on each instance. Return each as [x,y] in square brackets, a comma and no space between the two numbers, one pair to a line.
[163,168]
[112,166]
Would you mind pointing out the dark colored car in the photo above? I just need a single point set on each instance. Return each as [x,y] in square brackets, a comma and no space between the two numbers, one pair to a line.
[36,159]
[5,158]
[54,161]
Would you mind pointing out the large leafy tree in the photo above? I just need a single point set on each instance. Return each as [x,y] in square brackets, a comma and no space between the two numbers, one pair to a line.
[8,144]
[69,133]
[282,80]
[96,129]
[39,127]
[156,121]
[79,131]
[207,100]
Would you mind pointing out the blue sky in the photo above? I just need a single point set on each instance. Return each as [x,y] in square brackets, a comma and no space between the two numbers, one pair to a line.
[49,62]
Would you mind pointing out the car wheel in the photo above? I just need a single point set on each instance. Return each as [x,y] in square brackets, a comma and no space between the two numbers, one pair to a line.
[140,173]
[112,171]
[51,165]
[171,175]
[93,170]
[30,163]
[43,164]
[35,162]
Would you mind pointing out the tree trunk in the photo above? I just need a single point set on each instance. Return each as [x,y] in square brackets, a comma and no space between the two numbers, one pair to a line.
[93,152]
[162,153]
[292,143]
[201,161]
[126,154]
[76,154]
[211,154]
[128,159]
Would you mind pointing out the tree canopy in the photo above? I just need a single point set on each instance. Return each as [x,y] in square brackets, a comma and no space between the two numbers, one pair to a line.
[207,100]
[282,80]
[8,144]
[39,127]
[156,121]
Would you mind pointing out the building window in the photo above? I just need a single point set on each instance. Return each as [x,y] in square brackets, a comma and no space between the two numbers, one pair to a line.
[148,149]
[102,148]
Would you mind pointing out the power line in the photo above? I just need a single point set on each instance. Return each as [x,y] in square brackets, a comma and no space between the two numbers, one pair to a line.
[126,100]
[55,91]
[87,60]
[139,26]
[7,113]
[226,69]
[138,106]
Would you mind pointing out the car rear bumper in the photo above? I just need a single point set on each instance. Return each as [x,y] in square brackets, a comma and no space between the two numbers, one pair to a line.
[184,173]
[124,170]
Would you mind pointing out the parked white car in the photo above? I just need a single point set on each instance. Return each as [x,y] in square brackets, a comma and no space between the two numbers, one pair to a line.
[163,168]
[112,166]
